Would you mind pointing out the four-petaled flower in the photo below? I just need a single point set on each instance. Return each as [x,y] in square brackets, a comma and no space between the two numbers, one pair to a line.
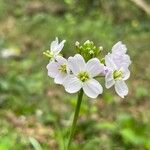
[55,49]
[58,69]
[119,55]
[117,63]
[83,76]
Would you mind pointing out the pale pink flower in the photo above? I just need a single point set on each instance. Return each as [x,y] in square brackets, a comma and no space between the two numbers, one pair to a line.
[58,69]
[83,76]
[116,76]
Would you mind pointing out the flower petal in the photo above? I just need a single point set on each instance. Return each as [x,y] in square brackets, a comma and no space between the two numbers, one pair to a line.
[94,67]
[105,70]
[92,88]
[56,47]
[126,60]
[72,84]
[59,47]
[121,88]
[126,73]
[52,68]
[119,48]
[61,60]
[109,62]
[122,60]
[60,78]
[109,80]
[76,63]
[54,44]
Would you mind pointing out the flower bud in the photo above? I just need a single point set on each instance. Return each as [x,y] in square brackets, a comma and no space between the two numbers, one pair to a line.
[87,42]
[100,48]
[102,61]
[88,49]
[77,44]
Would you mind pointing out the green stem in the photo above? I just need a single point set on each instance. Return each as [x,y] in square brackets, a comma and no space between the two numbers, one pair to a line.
[80,95]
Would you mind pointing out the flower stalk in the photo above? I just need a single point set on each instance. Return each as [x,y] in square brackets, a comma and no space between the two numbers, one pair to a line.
[77,110]
[79,73]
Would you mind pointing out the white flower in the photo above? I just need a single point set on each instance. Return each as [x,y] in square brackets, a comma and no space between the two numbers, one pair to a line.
[58,69]
[119,55]
[82,76]
[119,48]
[116,76]
[55,48]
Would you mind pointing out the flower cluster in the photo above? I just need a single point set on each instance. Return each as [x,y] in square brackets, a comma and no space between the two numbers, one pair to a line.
[79,72]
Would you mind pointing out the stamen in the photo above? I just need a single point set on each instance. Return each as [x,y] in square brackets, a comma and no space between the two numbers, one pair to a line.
[63,68]
[117,74]
[83,76]
[48,54]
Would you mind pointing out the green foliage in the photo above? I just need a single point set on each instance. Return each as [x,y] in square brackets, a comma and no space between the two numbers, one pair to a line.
[35,143]
[141,92]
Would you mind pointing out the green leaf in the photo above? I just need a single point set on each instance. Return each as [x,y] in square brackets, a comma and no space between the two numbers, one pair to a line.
[35,143]
[132,137]
[4,145]
[141,92]
[106,125]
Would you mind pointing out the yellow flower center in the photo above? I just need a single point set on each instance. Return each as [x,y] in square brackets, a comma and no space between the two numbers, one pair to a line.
[63,68]
[83,76]
[117,74]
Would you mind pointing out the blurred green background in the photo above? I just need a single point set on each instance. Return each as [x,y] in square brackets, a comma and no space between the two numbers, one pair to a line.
[36,114]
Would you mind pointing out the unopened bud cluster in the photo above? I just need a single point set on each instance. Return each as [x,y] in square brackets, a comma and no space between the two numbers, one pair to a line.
[88,50]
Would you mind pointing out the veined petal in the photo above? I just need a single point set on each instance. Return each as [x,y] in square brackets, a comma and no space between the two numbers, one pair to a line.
[109,62]
[109,80]
[54,44]
[126,73]
[73,65]
[59,47]
[92,88]
[126,60]
[56,47]
[72,84]
[94,67]
[52,68]
[60,78]
[80,62]
[76,63]
[122,60]
[119,48]
[61,60]
[121,88]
